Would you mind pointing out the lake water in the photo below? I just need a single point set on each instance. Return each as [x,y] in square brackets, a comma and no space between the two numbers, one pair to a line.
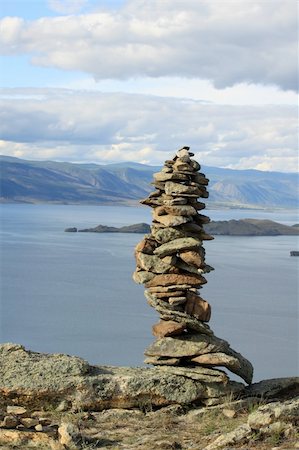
[73,292]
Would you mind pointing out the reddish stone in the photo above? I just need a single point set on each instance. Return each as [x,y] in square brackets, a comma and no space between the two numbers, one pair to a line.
[168,328]
[146,246]
[176,279]
[197,307]
[192,257]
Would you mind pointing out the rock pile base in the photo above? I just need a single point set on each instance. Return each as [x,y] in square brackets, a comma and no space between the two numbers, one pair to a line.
[171,264]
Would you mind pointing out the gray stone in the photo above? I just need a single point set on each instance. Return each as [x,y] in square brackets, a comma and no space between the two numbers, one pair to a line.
[198,373]
[42,379]
[192,345]
[177,316]
[163,235]
[183,346]
[270,413]
[29,422]
[162,176]
[176,245]
[176,210]
[9,422]
[218,359]
[157,361]
[153,263]
[141,277]
[274,388]
[19,411]
[233,437]
[187,267]
[69,435]
[201,179]
[174,201]
[181,190]
[169,220]
[195,165]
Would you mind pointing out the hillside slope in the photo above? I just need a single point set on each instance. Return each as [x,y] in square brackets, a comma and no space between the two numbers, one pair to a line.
[124,183]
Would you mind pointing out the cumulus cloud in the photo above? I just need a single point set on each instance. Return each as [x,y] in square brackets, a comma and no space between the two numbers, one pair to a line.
[67,6]
[225,42]
[109,127]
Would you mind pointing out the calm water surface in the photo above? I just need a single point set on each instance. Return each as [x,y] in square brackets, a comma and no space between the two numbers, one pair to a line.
[73,292]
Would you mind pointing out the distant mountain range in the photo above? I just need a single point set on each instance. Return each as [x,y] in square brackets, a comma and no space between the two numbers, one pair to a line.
[24,181]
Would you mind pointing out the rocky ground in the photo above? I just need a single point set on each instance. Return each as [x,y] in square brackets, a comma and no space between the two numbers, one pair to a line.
[237,425]
[59,402]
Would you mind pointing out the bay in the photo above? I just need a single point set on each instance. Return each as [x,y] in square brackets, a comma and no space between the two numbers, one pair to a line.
[73,292]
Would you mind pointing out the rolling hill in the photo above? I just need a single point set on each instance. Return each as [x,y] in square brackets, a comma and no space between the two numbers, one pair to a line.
[24,181]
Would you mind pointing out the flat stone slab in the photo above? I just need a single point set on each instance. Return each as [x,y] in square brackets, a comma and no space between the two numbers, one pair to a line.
[35,379]
[216,350]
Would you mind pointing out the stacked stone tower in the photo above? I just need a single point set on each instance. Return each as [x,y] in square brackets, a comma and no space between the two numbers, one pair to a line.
[171,263]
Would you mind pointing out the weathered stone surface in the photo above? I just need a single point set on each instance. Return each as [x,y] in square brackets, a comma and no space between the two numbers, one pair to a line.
[16,410]
[34,379]
[270,413]
[233,437]
[176,279]
[171,201]
[199,373]
[218,359]
[197,307]
[171,288]
[169,220]
[163,235]
[177,300]
[195,165]
[177,210]
[198,206]
[177,316]
[200,178]
[168,328]
[147,246]
[168,294]
[162,176]
[29,422]
[182,165]
[177,245]
[157,361]
[69,435]
[153,263]
[192,257]
[141,277]
[273,388]
[187,267]
[28,440]
[200,344]
[190,345]
[177,189]
[9,422]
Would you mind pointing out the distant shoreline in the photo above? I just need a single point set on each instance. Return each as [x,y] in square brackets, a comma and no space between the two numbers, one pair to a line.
[242,227]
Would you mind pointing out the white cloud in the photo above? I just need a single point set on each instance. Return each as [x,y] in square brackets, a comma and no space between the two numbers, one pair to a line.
[228,43]
[109,127]
[67,6]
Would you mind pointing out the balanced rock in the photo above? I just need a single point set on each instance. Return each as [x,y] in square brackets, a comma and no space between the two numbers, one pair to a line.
[171,263]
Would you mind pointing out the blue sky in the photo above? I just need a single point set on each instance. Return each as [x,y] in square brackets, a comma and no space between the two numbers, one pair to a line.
[106,81]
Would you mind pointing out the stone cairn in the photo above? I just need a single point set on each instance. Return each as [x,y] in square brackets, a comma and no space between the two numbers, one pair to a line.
[171,263]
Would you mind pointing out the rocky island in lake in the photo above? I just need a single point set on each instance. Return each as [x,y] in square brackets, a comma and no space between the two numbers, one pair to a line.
[242,227]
